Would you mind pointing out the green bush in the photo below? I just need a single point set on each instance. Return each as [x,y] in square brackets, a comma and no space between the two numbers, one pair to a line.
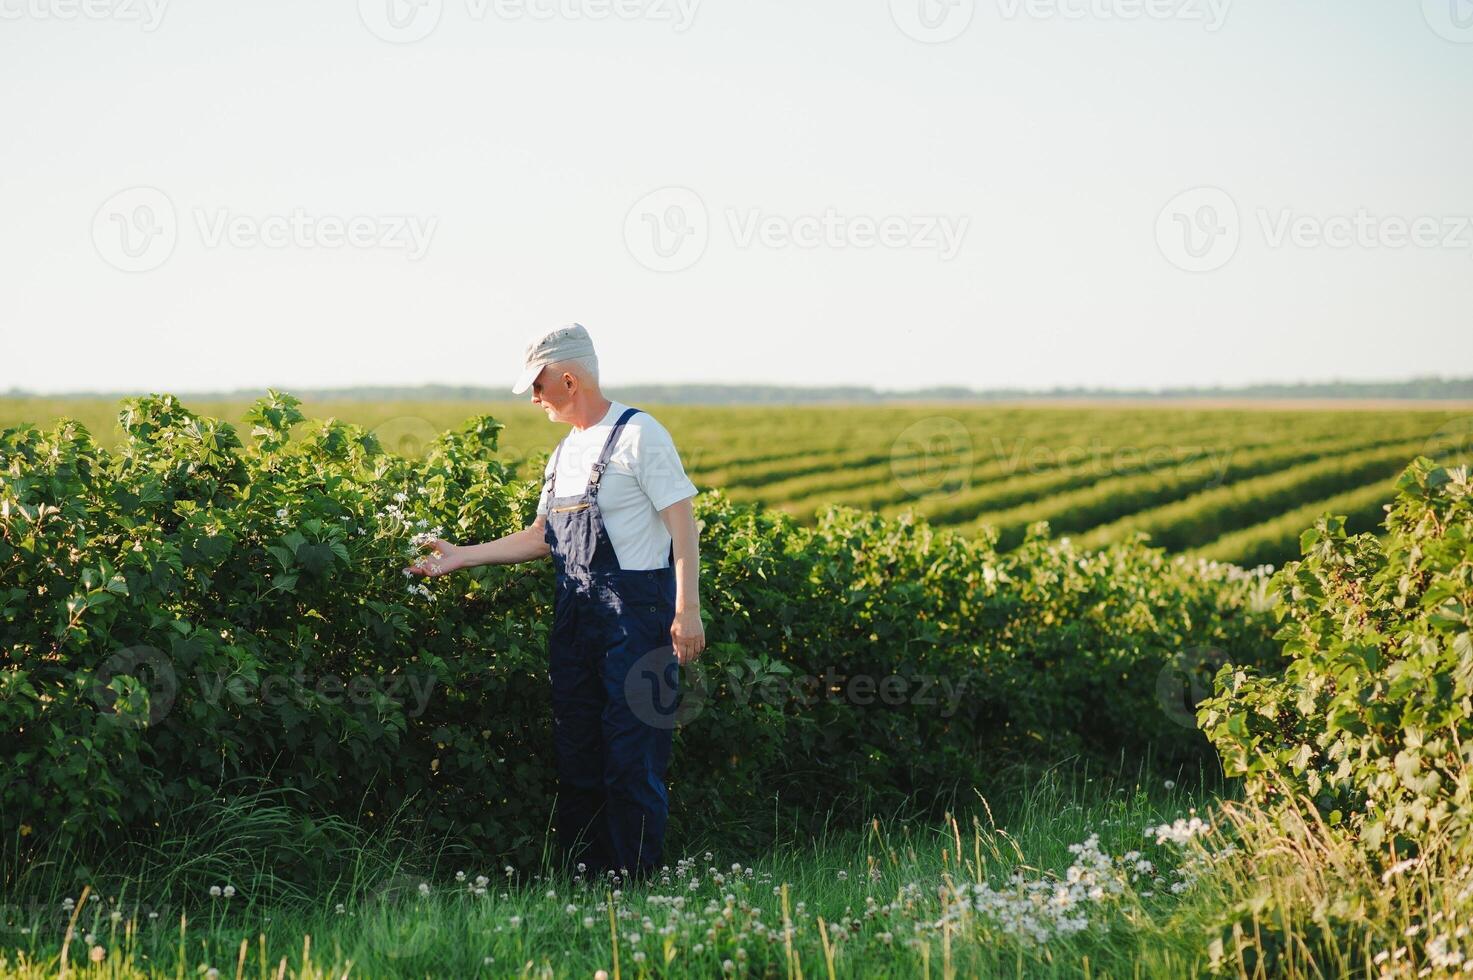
[1372,721]
[190,613]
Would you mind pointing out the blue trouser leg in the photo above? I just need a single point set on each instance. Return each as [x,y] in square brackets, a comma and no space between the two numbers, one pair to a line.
[636,749]
[578,697]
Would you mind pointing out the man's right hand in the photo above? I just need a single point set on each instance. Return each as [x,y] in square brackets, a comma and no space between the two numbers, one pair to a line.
[443,559]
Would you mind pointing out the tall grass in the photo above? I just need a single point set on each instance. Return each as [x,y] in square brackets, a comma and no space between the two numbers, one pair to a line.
[1249,898]
[859,903]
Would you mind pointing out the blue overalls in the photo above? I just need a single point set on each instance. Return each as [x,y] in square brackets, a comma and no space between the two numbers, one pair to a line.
[612,803]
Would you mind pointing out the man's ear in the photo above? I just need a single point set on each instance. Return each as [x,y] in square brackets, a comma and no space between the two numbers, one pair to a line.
[570,382]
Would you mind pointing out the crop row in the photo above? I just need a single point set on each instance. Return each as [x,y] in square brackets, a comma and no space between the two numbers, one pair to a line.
[1108,500]
[1211,514]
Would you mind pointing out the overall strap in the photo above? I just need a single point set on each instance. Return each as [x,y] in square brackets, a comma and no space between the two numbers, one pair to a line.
[551,481]
[597,472]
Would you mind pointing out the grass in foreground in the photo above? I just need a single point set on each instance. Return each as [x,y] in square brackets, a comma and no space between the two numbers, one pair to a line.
[1058,880]
[1074,876]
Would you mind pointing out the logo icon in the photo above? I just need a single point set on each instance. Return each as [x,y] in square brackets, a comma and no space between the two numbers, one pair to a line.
[401,21]
[1452,20]
[406,435]
[137,685]
[136,229]
[656,695]
[933,21]
[667,230]
[1199,230]
[932,457]
[1452,444]
[1185,681]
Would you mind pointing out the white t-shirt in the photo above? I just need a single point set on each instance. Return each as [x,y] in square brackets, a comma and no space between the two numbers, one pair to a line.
[644,476]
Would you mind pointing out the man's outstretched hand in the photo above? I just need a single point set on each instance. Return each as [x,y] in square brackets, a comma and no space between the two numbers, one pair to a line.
[443,559]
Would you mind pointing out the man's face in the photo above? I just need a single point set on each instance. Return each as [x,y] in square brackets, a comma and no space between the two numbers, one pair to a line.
[553,393]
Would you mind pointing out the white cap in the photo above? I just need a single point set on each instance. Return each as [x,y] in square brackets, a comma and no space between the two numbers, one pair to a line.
[561,344]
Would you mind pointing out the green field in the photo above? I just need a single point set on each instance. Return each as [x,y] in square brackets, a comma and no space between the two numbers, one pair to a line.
[1235,484]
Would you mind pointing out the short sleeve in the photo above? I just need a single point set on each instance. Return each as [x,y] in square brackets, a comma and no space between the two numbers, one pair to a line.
[658,469]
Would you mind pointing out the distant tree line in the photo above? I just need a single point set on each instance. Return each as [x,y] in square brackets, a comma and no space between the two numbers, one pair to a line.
[1417,389]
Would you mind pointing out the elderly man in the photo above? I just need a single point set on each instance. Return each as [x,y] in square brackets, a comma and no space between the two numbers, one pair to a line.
[615,515]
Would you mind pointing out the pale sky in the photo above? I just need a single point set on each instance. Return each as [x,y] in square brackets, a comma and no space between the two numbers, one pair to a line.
[896,193]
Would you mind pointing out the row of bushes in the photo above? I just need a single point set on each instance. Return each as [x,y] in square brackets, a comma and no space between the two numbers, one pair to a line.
[1111,499]
[196,609]
[1207,516]
[1357,758]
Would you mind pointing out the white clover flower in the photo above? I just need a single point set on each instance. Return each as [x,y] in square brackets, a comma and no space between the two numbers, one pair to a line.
[1441,956]
[515,921]
[339,908]
[1180,831]
[228,891]
[214,891]
[89,939]
[282,512]
[1170,784]
[212,974]
[424,888]
[460,876]
[115,917]
[588,922]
